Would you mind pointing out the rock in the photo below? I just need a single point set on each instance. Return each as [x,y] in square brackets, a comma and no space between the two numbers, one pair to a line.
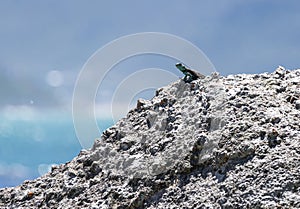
[216,142]
[280,72]
[297,104]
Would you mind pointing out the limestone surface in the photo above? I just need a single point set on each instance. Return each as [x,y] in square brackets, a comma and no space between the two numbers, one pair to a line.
[216,142]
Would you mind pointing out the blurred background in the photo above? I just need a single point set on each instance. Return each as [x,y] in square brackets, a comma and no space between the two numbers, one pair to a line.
[44,45]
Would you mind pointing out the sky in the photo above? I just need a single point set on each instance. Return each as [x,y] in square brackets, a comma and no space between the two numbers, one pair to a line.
[42,36]
[45,44]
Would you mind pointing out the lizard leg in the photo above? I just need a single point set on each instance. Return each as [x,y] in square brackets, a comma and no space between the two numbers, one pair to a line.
[185,78]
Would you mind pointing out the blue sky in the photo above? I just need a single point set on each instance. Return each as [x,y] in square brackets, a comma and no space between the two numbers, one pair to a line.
[44,44]
[40,36]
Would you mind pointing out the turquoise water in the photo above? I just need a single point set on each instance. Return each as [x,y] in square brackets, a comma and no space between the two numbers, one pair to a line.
[29,148]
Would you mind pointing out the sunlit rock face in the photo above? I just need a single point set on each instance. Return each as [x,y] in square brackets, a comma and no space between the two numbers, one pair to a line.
[216,142]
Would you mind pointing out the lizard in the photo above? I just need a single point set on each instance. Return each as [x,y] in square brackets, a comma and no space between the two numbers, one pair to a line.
[190,74]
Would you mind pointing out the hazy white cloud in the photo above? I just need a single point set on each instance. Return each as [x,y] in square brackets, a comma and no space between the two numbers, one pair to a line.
[14,170]
[19,112]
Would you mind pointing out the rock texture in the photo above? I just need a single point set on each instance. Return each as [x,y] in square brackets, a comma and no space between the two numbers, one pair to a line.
[217,142]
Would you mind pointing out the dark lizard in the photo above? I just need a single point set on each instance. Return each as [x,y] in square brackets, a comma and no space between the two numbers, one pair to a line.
[190,75]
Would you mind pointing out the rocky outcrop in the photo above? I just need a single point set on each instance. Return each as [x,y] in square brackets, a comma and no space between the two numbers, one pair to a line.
[217,142]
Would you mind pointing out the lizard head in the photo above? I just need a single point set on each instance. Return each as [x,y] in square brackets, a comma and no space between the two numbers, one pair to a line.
[180,67]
